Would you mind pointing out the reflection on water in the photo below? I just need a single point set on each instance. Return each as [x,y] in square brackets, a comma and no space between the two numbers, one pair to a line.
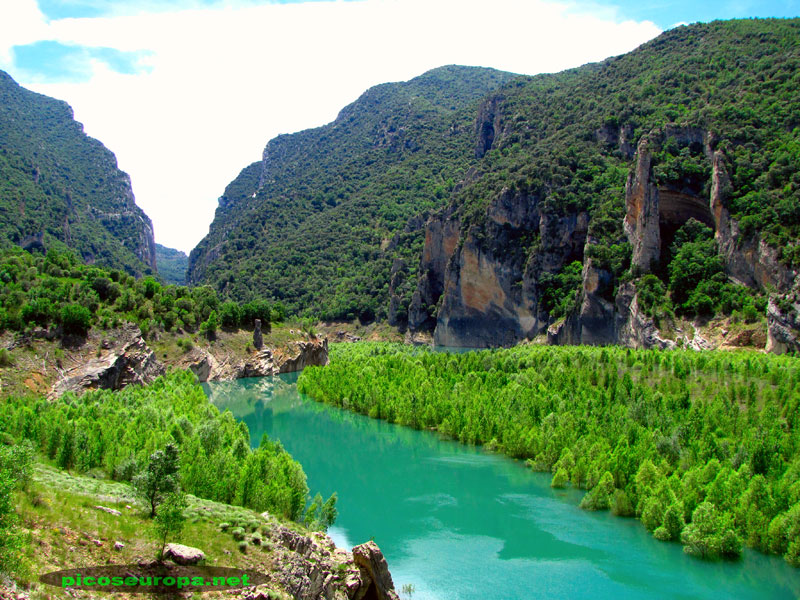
[460,523]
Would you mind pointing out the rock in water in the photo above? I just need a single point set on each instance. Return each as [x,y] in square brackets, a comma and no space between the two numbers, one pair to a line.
[258,341]
[372,564]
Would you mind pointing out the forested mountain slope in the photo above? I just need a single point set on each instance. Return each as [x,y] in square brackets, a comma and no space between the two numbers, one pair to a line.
[597,205]
[60,188]
[616,196]
[172,264]
[319,221]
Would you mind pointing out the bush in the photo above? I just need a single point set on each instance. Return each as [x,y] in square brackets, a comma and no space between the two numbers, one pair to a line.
[6,360]
[39,311]
[560,479]
[209,327]
[76,319]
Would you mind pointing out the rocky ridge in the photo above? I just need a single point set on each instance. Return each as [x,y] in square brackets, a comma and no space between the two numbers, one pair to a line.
[478,285]
[124,358]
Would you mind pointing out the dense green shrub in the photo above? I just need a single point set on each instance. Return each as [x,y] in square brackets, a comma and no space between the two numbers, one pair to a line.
[75,319]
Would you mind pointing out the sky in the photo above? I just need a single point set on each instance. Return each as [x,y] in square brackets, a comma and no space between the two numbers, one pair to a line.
[187,93]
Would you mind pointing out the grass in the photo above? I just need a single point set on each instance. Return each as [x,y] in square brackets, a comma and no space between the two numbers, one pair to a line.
[63,529]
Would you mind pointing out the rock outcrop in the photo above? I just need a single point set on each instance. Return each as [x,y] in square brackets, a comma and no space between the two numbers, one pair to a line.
[211,364]
[313,568]
[374,572]
[485,280]
[184,555]
[783,325]
[479,286]
[128,360]
[258,338]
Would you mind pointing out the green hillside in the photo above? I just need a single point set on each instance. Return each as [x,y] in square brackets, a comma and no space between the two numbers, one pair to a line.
[318,223]
[61,189]
[172,265]
[568,140]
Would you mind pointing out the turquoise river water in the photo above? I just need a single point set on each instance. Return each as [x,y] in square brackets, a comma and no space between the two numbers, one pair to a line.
[460,523]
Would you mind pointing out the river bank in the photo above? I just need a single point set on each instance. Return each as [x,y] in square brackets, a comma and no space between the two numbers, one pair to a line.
[456,521]
[40,362]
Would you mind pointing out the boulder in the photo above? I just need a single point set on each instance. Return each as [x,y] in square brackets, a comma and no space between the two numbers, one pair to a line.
[184,555]
[110,511]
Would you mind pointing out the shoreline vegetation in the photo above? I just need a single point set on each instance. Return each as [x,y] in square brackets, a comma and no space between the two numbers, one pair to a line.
[115,435]
[702,447]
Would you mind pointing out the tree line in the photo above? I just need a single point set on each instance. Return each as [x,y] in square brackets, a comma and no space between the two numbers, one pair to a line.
[702,447]
[118,433]
[57,290]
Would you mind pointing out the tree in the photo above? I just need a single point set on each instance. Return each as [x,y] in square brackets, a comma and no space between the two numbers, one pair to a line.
[15,467]
[230,315]
[159,478]
[329,513]
[710,534]
[66,453]
[210,325]
[170,519]
[76,319]
[560,478]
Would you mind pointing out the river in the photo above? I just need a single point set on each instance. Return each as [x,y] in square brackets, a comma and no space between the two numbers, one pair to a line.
[458,522]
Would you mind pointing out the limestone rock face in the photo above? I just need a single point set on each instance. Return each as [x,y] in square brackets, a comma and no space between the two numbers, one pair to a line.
[373,567]
[130,361]
[184,555]
[485,279]
[641,218]
[441,238]
[311,567]
[783,327]
[306,354]
[487,125]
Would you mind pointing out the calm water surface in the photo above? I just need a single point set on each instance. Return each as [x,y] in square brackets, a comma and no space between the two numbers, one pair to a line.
[460,523]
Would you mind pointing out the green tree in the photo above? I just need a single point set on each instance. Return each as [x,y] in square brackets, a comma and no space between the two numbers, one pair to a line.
[170,520]
[76,319]
[15,468]
[710,534]
[209,326]
[159,477]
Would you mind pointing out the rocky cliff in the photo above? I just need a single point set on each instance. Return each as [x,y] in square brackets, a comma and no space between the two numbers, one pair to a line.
[59,188]
[631,200]
[212,364]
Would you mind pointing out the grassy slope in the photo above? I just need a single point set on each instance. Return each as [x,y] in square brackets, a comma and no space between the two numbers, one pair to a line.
[59,517]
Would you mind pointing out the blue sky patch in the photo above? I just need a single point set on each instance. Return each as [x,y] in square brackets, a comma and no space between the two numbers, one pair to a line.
[66,9]
[51,61]
[666,13]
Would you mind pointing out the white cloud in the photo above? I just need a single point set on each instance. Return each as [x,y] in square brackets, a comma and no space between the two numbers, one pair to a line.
[224,81]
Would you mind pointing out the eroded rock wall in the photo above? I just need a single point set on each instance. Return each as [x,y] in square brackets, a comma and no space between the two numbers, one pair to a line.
[484,279]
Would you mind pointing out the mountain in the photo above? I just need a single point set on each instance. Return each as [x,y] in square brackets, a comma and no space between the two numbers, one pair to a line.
[172,264]
[320,221]
[61,189]
[615,197]
[605,204]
